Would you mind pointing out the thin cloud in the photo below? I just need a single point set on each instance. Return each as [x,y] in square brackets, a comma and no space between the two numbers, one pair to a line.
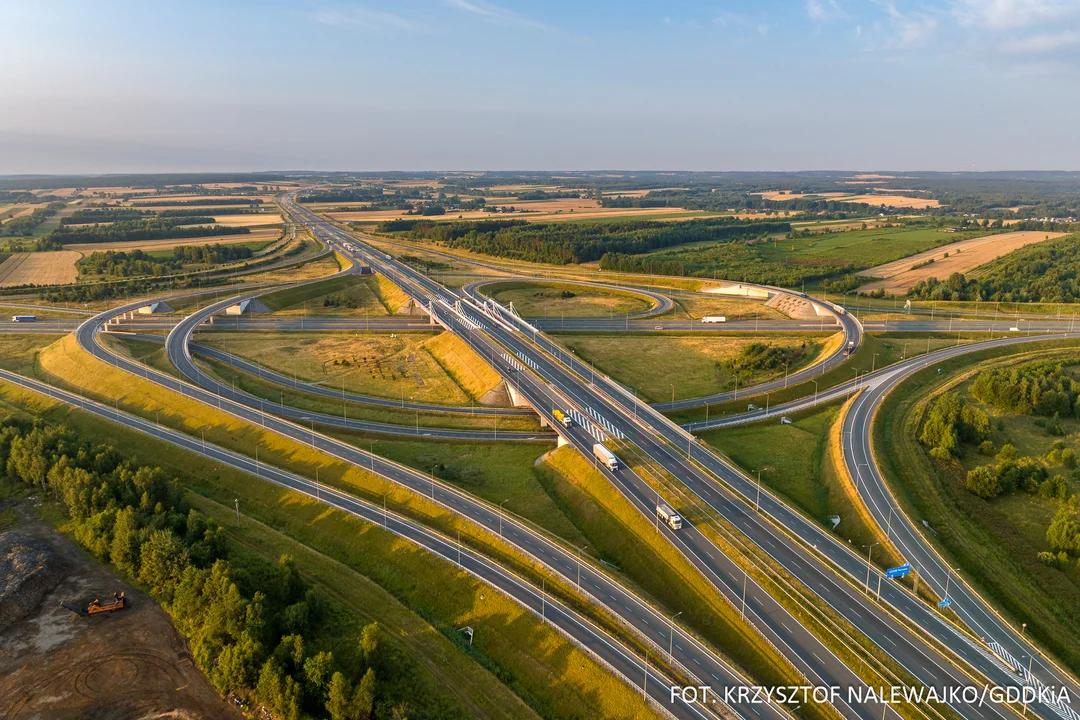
[735,20]
[501,16]
[1012,14]
[1041,44]
[909,30]
[369,19]
[823,10]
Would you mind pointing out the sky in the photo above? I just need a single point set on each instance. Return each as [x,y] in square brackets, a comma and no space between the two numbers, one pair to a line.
[106,86]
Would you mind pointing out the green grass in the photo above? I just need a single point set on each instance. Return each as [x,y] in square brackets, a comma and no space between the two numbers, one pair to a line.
[494,472]
[353,289]
[18,353]
[546,299]
[694,364]
[274,394]
[552,676]
[875,352]
[994,542]
[387,365]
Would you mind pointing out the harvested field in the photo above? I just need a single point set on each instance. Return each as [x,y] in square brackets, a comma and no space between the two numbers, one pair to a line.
[208,199]
[252,220]
[263,234]
[900,201]
[963,257]
[777,195]
[132,664]
[40,268]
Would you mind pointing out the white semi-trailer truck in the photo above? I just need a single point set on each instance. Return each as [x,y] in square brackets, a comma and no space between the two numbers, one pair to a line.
[669,516]
[605,456]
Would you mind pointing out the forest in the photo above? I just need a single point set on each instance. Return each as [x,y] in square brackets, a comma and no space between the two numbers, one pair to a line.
[1048,271]
[562,243]
[266,638]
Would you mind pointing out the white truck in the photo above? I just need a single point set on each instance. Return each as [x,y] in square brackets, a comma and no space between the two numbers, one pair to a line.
[562,417]
[714,319]
[669,516]
[605,456]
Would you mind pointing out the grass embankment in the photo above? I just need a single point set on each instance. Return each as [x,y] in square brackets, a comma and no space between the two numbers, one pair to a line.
[519,647]
[345,295]
[620,535]
[548,299]
[146,352]
[470,371]
[273,394]
[875,352]
[991,541]
[388,365]
[687,366]
[511,645]
[18,353]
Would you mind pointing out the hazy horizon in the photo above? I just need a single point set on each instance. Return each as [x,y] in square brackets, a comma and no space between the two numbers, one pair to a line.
[943,85]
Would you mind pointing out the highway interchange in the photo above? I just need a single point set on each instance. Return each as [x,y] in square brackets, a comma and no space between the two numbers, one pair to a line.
[917,638]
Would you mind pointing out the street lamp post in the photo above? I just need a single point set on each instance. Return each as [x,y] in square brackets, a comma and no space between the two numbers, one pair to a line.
[579,551]
[815,389]
[671,639]
[869,553]
[757,502]
[501,514]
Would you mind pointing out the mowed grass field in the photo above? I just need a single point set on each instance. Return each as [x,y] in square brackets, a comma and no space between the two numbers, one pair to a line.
[861,247]
[40,268]
[418,366]
[699,305]
[899,276]
[565,300]
[688,366]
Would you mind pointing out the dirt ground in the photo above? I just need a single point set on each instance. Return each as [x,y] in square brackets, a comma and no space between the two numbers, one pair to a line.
[964,256]
[131,664]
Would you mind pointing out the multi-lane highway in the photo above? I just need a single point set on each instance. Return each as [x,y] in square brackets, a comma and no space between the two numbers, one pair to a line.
[916,656]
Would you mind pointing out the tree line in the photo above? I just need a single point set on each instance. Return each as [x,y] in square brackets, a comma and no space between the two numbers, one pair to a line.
[562,243]
[257,630]
[142,229]
[27,223]
[1036,388]
[215,201]
[115,263]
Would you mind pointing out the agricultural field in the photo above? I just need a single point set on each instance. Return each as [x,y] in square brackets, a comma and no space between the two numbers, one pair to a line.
[660,367]
[963,256]
[538,299]
[390,365]
[40,268]
[790,261]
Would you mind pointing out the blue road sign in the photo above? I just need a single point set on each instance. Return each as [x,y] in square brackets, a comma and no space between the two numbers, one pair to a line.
[944,603]
[899,571]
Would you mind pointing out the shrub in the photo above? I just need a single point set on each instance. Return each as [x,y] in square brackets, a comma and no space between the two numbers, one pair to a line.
[983,481]
[986,447]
